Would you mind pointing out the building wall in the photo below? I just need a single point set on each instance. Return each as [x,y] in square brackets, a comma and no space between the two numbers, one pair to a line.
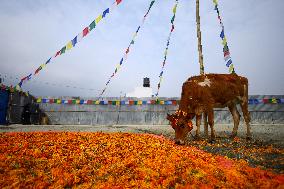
[270,113]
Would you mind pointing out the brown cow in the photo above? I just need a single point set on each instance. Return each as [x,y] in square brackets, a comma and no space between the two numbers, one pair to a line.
[200,94]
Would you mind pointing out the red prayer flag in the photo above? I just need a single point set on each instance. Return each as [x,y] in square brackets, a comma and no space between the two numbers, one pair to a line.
[173,27]
[85,31]
[118,1]
[58,53]
[265,101]
[226,53]
[127,51]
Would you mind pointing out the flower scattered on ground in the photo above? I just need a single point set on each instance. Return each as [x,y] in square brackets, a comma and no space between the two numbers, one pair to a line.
[119,160]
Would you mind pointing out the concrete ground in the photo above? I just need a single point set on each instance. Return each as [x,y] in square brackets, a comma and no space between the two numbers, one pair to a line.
[269,134]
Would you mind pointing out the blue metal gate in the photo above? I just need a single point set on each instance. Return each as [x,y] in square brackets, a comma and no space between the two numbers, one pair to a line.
[4,97]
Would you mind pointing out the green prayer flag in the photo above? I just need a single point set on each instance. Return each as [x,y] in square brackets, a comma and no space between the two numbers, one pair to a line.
[62,51]
[173,19]
[73,101]
[92,25]
[132,42]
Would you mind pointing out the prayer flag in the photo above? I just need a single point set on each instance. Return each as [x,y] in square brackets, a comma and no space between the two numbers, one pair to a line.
[229,63]
[215,2]
[231,69]
[227,58]
[105,12]
[225,48]
[69,45]
[48,61]
[92,25]
[118,1]
[226,53]
[85,31]
[224,42]
[132,42]
[74,41]
[138,29]
[62,51]
[98,19]
[222,35]
[58,53]
[29,76]
[38,100]
[173,19]
[175,9]
[173,27]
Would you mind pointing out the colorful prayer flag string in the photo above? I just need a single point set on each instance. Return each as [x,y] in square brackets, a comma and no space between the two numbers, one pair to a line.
[167,47]
[71,43]
[123,59]
[226,51]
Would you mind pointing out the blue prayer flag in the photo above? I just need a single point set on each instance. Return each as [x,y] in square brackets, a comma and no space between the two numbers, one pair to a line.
[222,35]
[229,63]
[48,61]
[74,41]
[105,12]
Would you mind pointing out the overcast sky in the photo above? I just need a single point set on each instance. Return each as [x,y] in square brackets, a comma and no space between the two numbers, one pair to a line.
[33,30]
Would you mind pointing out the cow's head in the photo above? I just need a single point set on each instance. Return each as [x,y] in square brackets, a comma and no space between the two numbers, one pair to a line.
[182,125]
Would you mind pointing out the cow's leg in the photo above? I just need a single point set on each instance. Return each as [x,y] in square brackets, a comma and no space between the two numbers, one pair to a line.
[236,118]
[244,106]
[211,123]
[198,123]
[205,115]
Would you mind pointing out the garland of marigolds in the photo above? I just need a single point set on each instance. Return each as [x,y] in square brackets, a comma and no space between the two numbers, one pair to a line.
[227,54]
[71,43]
[167,47]
[127,49]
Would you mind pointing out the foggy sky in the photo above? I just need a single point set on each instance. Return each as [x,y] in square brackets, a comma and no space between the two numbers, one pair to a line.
[33,30]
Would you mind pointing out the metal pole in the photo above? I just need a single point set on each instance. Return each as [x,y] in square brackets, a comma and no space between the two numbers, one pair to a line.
[199,39]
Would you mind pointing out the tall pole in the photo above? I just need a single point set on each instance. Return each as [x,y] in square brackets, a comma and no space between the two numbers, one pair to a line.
[199,39]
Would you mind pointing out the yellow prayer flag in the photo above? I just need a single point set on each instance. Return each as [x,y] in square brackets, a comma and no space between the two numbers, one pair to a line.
[69,45]
[135,35]
[118,66]
[43,65]
[215,2]
[166,52]
[274,101]
[38,100]
[77,101]
[231,68]
[58,101]
[97,102]
[98,19]
[139,102]
[224,42]
[175,9]
[117,103]
[162,102]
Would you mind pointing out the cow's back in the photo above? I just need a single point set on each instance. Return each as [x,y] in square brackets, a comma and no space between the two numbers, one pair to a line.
[215,88]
